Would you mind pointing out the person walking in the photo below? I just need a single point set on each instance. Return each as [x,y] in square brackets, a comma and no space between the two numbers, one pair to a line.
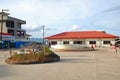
[114,48]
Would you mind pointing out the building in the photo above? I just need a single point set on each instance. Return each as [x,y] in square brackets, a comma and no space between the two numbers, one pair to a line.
[28,36]
[11,32]
[12,26]
[76,40]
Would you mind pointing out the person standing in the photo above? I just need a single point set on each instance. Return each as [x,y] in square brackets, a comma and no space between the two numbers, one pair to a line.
[92,47]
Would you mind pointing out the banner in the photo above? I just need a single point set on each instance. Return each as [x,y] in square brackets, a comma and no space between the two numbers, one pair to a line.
[6,37]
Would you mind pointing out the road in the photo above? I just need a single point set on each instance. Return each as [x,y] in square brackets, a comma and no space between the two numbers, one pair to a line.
[101,64]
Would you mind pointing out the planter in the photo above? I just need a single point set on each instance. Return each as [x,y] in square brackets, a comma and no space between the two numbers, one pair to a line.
[31,59]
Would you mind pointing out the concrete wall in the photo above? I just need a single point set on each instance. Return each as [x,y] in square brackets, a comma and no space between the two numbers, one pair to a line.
[71,45]
[4,27]
[4,24]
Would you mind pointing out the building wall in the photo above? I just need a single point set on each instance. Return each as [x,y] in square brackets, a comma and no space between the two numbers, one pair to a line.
[99,42]
[71,45]
[4,24]
[4,30]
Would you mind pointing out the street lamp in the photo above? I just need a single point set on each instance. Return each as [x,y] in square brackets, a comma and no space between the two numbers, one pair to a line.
[2,14]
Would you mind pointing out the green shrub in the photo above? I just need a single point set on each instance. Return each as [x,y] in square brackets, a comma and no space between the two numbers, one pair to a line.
[33,56]
[47,51]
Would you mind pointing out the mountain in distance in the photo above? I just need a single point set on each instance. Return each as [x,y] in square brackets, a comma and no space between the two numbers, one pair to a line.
[36,40]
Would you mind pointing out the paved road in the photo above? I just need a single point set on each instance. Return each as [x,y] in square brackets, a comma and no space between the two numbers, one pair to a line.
[101,64]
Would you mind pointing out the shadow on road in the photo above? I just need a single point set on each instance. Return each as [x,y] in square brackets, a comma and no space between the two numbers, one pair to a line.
[77,60]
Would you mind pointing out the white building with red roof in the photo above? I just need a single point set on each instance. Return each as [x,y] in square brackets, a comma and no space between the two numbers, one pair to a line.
[76,40]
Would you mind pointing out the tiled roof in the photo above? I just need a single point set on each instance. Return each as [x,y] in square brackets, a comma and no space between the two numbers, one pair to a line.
[82,34]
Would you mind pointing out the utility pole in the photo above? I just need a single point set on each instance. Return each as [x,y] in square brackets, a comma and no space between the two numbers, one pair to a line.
[43,33]
[2,14]
[1,25]
[43,28]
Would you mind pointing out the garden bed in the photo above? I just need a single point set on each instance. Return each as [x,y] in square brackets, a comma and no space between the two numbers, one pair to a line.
[32,58]
[32,54]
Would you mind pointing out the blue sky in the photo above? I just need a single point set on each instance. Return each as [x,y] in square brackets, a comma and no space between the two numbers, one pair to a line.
[65,15]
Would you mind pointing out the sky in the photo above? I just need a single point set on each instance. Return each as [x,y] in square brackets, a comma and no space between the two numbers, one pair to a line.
[65,15]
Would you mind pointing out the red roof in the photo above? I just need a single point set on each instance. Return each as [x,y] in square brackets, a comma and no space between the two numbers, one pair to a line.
[81,34]
[28,35]
[9,34]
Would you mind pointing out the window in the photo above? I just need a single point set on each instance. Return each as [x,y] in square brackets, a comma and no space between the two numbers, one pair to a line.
[65,42]
[106,42]
[92,42]
[77,42]
[53,42]
[10,24]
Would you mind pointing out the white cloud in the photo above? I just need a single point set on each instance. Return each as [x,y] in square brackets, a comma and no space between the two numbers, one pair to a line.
[76,27]
[55,14]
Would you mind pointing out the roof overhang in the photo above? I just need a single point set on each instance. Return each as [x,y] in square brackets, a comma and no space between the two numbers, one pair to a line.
[16,19]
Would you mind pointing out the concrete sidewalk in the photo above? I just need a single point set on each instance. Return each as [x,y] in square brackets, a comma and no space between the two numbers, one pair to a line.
[101,64]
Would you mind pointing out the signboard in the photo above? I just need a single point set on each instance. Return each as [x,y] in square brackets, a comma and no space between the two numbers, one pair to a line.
[6,37]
